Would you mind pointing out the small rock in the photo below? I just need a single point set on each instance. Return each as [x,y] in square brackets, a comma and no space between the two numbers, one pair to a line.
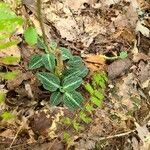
[118,67]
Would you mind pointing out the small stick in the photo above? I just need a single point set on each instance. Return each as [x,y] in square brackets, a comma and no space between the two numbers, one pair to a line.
[115,136]
[15,137]
[39,15]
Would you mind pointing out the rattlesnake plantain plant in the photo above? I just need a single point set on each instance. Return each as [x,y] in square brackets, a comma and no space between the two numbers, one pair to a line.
[61,85]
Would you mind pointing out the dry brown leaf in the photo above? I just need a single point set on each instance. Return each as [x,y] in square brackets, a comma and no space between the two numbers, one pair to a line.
[11,84]
[8,133]
[94,62]
[140,56]
[76,5]
[97,59]
[127,19]
[125,34]
[118,67]
[141,28]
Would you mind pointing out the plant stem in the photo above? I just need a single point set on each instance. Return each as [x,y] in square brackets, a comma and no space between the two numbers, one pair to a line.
[109,58]
[60,66]
[39,15]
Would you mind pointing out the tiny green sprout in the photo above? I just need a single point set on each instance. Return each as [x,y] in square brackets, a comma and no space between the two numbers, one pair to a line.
[2,96]
[7,115]
[96,90]
[123,55]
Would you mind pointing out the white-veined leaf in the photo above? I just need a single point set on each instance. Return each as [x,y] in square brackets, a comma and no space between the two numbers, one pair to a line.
[49,61]
[71,83]
[50,81]
[56,98]
[66,54]
[53,45]
[75,61]
[72,100]
[80,72]
[35,62]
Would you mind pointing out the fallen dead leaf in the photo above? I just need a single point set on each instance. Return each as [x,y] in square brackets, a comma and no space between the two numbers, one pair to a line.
[144,71]
[125,34]
[140,28]
[40,123]
[8,133]
[94,62]
[140,56]
[76,5]
[11,84]
[118,67]
[97,59]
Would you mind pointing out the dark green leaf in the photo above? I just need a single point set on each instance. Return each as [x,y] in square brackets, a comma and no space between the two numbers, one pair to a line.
[75,61]
[53,45]
[35,62]
[40,43]
[80,72]
[71,83]
[73,100]
[31,36]
[66,54]
[55,98]
[50,81]
[49,61]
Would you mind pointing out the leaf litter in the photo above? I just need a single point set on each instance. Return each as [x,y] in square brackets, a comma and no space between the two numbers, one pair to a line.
[94,28]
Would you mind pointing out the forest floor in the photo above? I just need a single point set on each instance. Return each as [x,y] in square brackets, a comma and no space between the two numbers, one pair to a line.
[89,28]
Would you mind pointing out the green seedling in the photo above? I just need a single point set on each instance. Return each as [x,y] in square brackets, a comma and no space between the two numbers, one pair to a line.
[7,116]
[2,96]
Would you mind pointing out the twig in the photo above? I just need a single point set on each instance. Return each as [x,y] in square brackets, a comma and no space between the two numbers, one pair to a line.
[39,15]
[116,136]
[15,137]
